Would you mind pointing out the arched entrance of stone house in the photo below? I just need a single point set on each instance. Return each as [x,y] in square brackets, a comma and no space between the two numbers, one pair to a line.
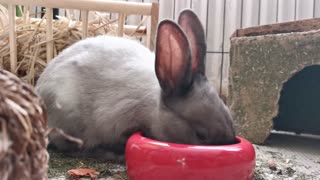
[299,103]
[299,112]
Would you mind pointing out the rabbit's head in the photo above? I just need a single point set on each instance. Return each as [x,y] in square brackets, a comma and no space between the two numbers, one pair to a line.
[190,109]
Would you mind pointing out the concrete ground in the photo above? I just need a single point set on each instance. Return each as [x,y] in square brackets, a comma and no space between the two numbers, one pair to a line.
[284,156]
[288,156]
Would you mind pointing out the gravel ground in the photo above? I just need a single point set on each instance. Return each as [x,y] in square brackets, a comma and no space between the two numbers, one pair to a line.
[287,156]
[283,157]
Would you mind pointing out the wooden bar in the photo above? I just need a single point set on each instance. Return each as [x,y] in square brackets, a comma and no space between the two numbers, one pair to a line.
[84,18]
[132,30]
[154,25]
[128,29]
[147,39]
[12,38]
[49,33]
[121,24]
[26,14]
[96,5]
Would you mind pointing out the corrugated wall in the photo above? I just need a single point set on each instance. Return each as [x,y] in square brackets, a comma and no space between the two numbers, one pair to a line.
[221,17]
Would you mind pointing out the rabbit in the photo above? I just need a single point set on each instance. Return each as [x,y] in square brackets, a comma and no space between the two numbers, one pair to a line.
[105,88]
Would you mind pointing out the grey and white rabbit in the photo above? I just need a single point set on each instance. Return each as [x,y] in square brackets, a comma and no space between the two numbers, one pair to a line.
[105,88]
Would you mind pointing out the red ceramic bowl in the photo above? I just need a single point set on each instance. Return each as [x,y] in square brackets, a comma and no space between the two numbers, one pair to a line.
[148,159]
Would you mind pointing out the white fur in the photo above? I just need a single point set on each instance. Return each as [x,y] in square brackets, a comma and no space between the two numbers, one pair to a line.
[116,65]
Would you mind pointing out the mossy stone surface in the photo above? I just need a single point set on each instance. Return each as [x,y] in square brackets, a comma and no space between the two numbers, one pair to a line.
[259,67]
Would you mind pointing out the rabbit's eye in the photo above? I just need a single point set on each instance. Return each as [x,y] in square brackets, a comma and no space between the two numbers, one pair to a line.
[202,135]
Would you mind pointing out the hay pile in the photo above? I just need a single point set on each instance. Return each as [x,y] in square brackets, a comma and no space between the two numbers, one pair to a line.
[3,17]
[31,40]
[23,131]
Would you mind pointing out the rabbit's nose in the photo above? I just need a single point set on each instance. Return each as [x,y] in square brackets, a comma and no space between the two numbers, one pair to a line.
[230,138]
[223,137]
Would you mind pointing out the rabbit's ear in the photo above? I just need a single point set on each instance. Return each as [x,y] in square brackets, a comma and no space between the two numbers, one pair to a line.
[173,59]
[193,28]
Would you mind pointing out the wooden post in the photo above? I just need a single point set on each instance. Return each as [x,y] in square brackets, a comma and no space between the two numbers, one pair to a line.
[49,33]
[84,18]
[12,38]
[154,25]
[26,14]
[121,22]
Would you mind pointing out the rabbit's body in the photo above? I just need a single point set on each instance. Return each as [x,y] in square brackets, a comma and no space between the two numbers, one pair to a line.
[100,92]
[103,89]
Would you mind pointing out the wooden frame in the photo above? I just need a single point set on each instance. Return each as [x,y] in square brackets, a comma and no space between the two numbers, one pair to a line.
[122,8]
